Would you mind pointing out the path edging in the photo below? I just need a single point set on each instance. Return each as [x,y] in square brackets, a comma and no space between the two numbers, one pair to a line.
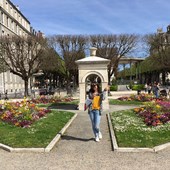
[48,148]
[126,149]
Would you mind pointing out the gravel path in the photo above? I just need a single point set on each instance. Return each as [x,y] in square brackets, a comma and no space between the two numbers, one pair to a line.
[78,150]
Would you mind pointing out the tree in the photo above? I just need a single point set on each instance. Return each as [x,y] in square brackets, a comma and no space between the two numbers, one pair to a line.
[22,55]
[50,64]
[3,66]
[49,60]
[113,47]
[70,48]
[159,48]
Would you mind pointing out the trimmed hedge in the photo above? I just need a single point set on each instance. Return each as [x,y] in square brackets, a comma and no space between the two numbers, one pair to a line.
[113,87]
[138,87]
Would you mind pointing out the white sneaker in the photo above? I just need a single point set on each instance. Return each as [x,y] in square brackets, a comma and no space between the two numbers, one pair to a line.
[97,139]
[100,135]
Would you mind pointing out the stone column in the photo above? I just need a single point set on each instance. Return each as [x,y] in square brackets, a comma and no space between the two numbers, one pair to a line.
[82,96]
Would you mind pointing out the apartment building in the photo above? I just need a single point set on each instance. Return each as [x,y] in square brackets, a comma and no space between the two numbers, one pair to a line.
[12,22]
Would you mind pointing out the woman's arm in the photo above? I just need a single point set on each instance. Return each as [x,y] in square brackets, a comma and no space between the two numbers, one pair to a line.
[103,96]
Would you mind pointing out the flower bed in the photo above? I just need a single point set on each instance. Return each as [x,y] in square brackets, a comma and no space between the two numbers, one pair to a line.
[131,131]
[46,100]
[141,97]
[155,113]
[21,114]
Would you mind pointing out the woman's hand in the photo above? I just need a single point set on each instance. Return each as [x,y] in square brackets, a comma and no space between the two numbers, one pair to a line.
[107,88]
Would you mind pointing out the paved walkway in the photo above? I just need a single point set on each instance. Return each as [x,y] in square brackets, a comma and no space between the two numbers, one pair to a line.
[78,150]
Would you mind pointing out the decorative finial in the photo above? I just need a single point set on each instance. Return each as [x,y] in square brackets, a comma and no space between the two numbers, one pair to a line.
[93,51]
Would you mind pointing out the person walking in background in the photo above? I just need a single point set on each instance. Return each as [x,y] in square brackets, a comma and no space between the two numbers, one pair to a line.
[6,95]
[95,108]
[156,89]
[167,92]
[146,87]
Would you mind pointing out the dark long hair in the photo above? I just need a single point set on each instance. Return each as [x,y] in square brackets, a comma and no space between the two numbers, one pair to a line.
[92,88]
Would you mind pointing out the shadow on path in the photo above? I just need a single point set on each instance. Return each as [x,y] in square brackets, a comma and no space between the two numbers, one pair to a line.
[63,106]
[66,137]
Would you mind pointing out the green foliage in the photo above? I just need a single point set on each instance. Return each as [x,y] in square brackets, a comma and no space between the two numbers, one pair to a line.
[159,58]
[121,102]
[114,81]
[138,87]
[3,66]
[113,88]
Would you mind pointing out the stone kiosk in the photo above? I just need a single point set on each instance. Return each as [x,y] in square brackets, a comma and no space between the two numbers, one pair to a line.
[92,68]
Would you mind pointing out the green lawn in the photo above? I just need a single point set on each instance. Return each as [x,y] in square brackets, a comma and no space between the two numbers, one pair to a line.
[38,135]
[120,102]
[132,132]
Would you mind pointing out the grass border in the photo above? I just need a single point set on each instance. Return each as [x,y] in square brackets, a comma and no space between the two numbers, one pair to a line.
[50,145]
[121,102]
[115,146]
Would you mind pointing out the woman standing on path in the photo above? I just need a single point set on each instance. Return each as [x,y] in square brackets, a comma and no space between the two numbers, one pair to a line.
[95,109]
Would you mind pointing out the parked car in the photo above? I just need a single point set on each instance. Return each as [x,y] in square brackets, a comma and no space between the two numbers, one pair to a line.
[163,92]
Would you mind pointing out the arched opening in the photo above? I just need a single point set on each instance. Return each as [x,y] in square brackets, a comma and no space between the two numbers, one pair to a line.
[92,78]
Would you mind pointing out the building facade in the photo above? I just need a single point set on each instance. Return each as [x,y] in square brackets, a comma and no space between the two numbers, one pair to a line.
[12,22]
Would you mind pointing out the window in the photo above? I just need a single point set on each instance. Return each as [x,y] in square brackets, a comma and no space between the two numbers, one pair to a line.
[15,14]
[19,18]
[16,29]
[20,32]
[12,25]
[7,6]
[2,17]
[7,21]
[11,9]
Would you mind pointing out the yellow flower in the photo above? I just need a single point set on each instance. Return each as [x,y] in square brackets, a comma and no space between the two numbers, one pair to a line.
[17,124]
[142,108]
[158,106]
[136,109]
[2,117]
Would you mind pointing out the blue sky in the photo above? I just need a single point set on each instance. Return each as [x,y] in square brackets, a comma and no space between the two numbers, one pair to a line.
[96,16]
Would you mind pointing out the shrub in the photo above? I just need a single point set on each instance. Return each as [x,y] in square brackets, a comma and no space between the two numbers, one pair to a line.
[113,88]
[138,87]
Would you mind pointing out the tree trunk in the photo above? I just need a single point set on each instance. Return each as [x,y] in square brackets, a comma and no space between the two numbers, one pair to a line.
[26,87]
[163,77]
[68,87]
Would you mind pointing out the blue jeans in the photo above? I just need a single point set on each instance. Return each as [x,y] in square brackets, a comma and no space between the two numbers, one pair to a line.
[156,93]
[95,120]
